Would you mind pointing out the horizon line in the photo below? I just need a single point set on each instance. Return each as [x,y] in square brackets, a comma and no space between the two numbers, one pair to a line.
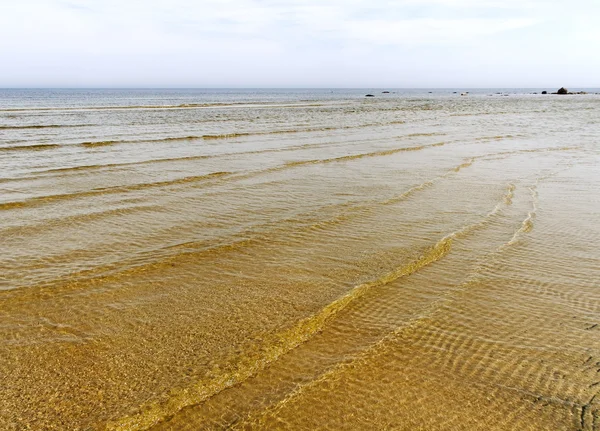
[285,88]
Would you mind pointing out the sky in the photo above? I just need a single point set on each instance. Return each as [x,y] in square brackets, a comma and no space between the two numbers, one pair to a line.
[300,43]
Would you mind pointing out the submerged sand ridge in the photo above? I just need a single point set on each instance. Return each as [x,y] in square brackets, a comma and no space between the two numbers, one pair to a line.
[426,271]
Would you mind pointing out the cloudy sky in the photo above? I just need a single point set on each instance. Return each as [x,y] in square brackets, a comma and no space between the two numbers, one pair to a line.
[299,43]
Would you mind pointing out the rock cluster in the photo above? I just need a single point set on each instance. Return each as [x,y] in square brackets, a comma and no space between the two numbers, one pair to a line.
[563,90]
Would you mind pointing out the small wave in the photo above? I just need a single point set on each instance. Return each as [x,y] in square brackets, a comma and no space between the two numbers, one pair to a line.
[118,189]
[42,126]
[38,147]
[182,138]
[362,155]
[504,154]
[273,349]
[240,369]
[270,132]
[92,144]
[527,223]
[81,168]
[105,108]
[416,135]
[198,157]
[464,165]
[228,135]
[159,107]
[494,138]
[473,114]
[313,129]
[510,194]
[440,250]
[48,224]
[233,135]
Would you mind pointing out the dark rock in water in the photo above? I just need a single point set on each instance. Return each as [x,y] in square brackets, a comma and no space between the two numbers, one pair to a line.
[454,92]
[369,95]
[563,90]
[544,92]
[430,92]
[385,92]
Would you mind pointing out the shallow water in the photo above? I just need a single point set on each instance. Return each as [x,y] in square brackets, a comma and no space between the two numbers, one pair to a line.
[299,259]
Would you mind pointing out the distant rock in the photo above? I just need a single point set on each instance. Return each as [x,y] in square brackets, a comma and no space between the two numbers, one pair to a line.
[544,92]
[563,90]
[369,95]
[385,92]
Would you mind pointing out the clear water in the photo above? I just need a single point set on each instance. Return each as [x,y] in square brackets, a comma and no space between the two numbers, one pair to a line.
[300,259]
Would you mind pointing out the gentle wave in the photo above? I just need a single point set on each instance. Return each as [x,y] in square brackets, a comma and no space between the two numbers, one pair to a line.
[159,107]
[43,126]
[464,165]
[241,369]
[441,249]
[273,349]
[287,165]
[282,343]
[305,130]
[43,173]
[364,155]
[98,143]
[117,189]
[79,218]
[527,223]
[250,236]
[93,144]
[38,147]
[504,154]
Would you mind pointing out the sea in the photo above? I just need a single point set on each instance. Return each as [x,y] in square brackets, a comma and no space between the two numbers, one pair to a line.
[300,259]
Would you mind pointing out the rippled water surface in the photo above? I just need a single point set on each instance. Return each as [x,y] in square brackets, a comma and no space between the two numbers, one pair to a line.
[299,259]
